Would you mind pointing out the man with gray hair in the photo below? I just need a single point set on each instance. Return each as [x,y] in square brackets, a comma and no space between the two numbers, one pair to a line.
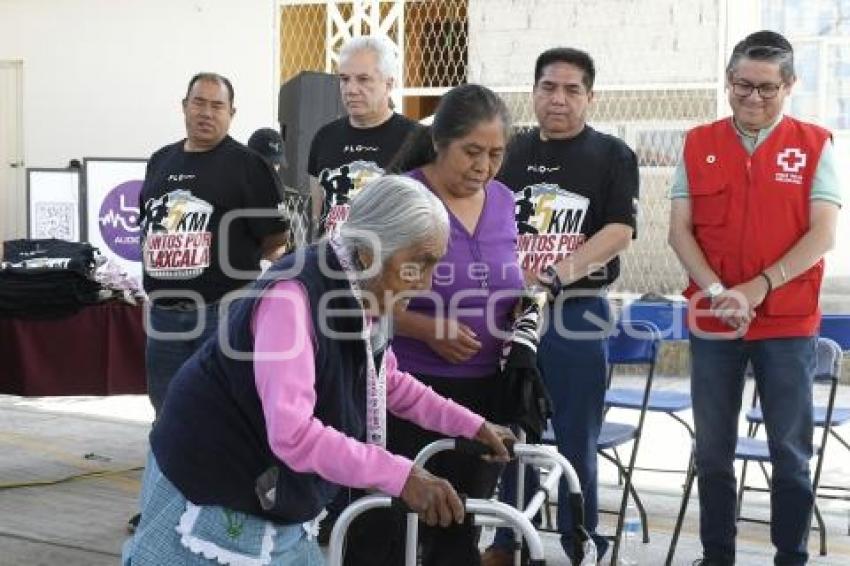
[754,210]
[350,151]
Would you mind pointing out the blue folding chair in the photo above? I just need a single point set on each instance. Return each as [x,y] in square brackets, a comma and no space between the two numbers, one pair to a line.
[633,342]
[669,403]
[751,449]
[670,318]
[836,327]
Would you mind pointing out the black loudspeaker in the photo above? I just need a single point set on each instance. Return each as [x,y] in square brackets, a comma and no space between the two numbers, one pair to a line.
[307,101]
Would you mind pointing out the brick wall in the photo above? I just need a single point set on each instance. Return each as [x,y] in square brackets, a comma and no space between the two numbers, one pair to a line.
[632,41]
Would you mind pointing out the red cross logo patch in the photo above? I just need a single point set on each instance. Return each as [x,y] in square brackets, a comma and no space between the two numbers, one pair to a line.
[791,160]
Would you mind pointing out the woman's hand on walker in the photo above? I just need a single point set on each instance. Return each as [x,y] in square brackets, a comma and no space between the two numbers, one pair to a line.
[432,498]
[497,438]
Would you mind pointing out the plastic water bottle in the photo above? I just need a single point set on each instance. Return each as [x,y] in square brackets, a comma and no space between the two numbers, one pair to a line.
[630,543]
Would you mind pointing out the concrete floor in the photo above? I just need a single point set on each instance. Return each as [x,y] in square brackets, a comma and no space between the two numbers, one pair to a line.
[81,522]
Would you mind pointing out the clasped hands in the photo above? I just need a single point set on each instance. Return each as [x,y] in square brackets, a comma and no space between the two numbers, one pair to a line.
[737,306]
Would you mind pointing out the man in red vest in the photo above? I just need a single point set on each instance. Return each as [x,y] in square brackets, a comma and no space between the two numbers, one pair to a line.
[755,201]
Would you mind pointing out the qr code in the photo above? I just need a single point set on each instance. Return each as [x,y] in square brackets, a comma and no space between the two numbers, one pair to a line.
[55,220]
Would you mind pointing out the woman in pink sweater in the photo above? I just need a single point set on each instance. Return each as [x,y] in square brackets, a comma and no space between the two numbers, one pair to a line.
[288,402]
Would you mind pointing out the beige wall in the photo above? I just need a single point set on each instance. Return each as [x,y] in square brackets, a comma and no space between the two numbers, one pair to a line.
[105,77]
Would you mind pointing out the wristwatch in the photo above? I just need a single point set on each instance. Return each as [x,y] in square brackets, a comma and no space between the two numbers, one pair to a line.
[714,290]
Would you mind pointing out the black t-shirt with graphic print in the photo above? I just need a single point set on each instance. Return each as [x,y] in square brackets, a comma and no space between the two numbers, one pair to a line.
[183,199]
[343,158]
[566,191]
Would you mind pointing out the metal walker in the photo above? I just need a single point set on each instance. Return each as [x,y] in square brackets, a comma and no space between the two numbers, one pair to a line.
[487,512]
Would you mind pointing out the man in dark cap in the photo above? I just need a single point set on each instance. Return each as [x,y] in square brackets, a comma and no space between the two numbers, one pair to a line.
[268,143]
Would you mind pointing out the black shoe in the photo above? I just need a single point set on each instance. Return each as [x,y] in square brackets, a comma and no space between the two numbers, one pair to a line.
[326,526]
[133,523]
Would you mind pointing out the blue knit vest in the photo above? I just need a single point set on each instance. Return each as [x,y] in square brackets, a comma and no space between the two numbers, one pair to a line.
[210,439]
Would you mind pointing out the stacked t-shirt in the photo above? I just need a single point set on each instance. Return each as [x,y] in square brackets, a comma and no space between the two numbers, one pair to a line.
[47,278]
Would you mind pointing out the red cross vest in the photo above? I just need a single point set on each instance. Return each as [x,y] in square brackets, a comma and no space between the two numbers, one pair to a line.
[747,211]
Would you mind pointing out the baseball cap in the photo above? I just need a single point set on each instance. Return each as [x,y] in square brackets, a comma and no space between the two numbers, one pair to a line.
[268,143]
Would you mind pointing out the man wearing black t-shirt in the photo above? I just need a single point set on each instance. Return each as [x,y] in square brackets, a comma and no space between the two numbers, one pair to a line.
[348,152]
[210,212]
[576,192]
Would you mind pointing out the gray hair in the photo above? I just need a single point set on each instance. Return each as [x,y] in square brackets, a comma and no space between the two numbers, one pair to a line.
[382,48]
[392,213]
[768,46]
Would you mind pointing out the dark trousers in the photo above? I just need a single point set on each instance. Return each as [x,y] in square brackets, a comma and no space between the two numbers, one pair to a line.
[379,535]
[784,371]
[183,332]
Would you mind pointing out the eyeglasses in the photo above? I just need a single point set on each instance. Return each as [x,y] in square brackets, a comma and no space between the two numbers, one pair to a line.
[766,90]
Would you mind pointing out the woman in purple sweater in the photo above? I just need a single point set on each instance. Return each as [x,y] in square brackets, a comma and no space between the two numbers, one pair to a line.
[451,339]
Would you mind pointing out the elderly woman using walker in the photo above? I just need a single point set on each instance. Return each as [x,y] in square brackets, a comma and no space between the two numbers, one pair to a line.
[288,402]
